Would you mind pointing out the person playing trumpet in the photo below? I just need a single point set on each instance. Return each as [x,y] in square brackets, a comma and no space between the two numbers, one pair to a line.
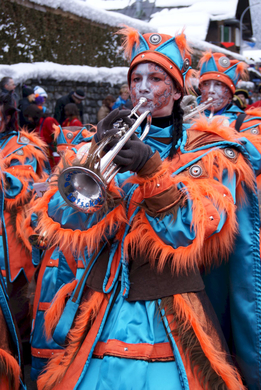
[139,316]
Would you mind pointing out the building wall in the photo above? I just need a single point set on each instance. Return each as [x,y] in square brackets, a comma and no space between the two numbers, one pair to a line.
[95,93]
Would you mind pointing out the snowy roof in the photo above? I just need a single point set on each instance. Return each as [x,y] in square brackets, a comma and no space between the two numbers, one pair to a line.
[49,70]
[96,14]
[195,15]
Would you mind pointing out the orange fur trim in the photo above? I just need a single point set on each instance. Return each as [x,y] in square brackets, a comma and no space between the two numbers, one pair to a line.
[203,250]
[77,239]
[183,45]
[22,198]
[205,58]
[10,367]
[20,231]
[86,133]
[131,37]
[191,74]
[215,126]
[242,71]
[53,314]
[57,366]
[57,131]
[217,359]
[253,111]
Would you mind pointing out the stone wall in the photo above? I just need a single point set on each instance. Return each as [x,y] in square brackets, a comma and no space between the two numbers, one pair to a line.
[95,93]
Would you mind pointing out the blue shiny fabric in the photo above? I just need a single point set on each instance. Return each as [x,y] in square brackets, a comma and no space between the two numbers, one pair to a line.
[54,279]
[137,322]
[134,323]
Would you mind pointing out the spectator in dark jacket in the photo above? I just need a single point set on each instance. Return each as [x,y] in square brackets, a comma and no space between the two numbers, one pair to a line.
[7,86]
[27,100]
[73,97]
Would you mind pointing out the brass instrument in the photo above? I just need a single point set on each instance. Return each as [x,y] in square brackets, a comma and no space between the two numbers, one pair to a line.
[197,110]
[84,189]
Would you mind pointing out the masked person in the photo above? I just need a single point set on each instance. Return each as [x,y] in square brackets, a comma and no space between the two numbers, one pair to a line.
[23,162]
[139,316]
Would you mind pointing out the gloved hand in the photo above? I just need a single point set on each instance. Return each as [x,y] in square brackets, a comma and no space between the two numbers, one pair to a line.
[105,126]
[133,156]
[188,103]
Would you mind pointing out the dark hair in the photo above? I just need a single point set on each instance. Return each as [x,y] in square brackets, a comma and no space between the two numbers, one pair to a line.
[71,111]
[109,99]
[8,110]
[177,113]
[4,81]
[34,112]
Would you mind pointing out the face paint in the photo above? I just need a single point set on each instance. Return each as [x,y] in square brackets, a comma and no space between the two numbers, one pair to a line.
[152,82]
[218,90]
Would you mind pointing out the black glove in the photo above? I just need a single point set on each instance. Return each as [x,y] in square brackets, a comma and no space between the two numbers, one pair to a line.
[134,155]
[105,126]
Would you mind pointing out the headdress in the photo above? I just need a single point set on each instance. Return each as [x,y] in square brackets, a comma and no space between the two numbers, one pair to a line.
[172,53]
[217,66]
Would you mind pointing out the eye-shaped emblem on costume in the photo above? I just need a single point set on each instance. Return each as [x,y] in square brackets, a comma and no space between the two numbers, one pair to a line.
[69,135]
[254,130]
[155,39]
[230,153]
[25,140]
[224,61]
[195,170]
[186,64]
[20,152]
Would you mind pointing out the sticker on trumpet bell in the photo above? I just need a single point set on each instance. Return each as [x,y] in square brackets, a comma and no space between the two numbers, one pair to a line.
[83,151]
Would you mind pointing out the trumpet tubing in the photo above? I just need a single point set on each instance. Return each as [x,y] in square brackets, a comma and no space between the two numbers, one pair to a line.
[84,188]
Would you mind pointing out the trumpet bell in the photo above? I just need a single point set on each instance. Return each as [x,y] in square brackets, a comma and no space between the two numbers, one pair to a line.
[82,189]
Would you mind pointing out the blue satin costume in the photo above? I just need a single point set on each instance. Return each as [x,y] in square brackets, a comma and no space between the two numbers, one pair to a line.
[235,290]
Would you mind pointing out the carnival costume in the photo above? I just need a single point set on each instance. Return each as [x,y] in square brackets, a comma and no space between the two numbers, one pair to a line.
[57,267]
[144,320]
[23,162]
[10,346]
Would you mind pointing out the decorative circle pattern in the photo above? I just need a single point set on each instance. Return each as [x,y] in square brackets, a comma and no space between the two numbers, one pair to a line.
[224,61]
[155,39]
[254,131]
[230,153]
[69,135]
[25,140]
[186,64]
[195,170]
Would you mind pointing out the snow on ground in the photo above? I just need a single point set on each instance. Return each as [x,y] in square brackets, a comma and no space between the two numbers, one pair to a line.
[49,70]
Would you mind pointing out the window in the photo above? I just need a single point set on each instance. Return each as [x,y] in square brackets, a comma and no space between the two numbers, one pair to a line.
[225,34]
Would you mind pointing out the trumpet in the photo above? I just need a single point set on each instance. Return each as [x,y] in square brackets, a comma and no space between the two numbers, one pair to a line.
[198,109]
[84,187]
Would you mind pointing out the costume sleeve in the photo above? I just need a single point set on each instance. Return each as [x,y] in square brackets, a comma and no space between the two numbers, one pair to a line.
[190,217]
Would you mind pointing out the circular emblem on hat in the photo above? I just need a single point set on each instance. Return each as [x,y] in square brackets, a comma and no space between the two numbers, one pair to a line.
[254,130]
[20,152]
[69,135]
[25,140]
[195,170]
[186,64]
[155,39]
[230,153]
[224,61]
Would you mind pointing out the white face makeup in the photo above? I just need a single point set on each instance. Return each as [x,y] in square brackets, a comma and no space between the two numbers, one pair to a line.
[152,82]
[218,90]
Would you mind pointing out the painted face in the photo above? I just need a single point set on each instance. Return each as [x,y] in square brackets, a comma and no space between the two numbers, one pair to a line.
[218,90]
[152,82]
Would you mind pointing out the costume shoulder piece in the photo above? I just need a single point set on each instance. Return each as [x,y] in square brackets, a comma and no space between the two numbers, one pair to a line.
[203,133]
